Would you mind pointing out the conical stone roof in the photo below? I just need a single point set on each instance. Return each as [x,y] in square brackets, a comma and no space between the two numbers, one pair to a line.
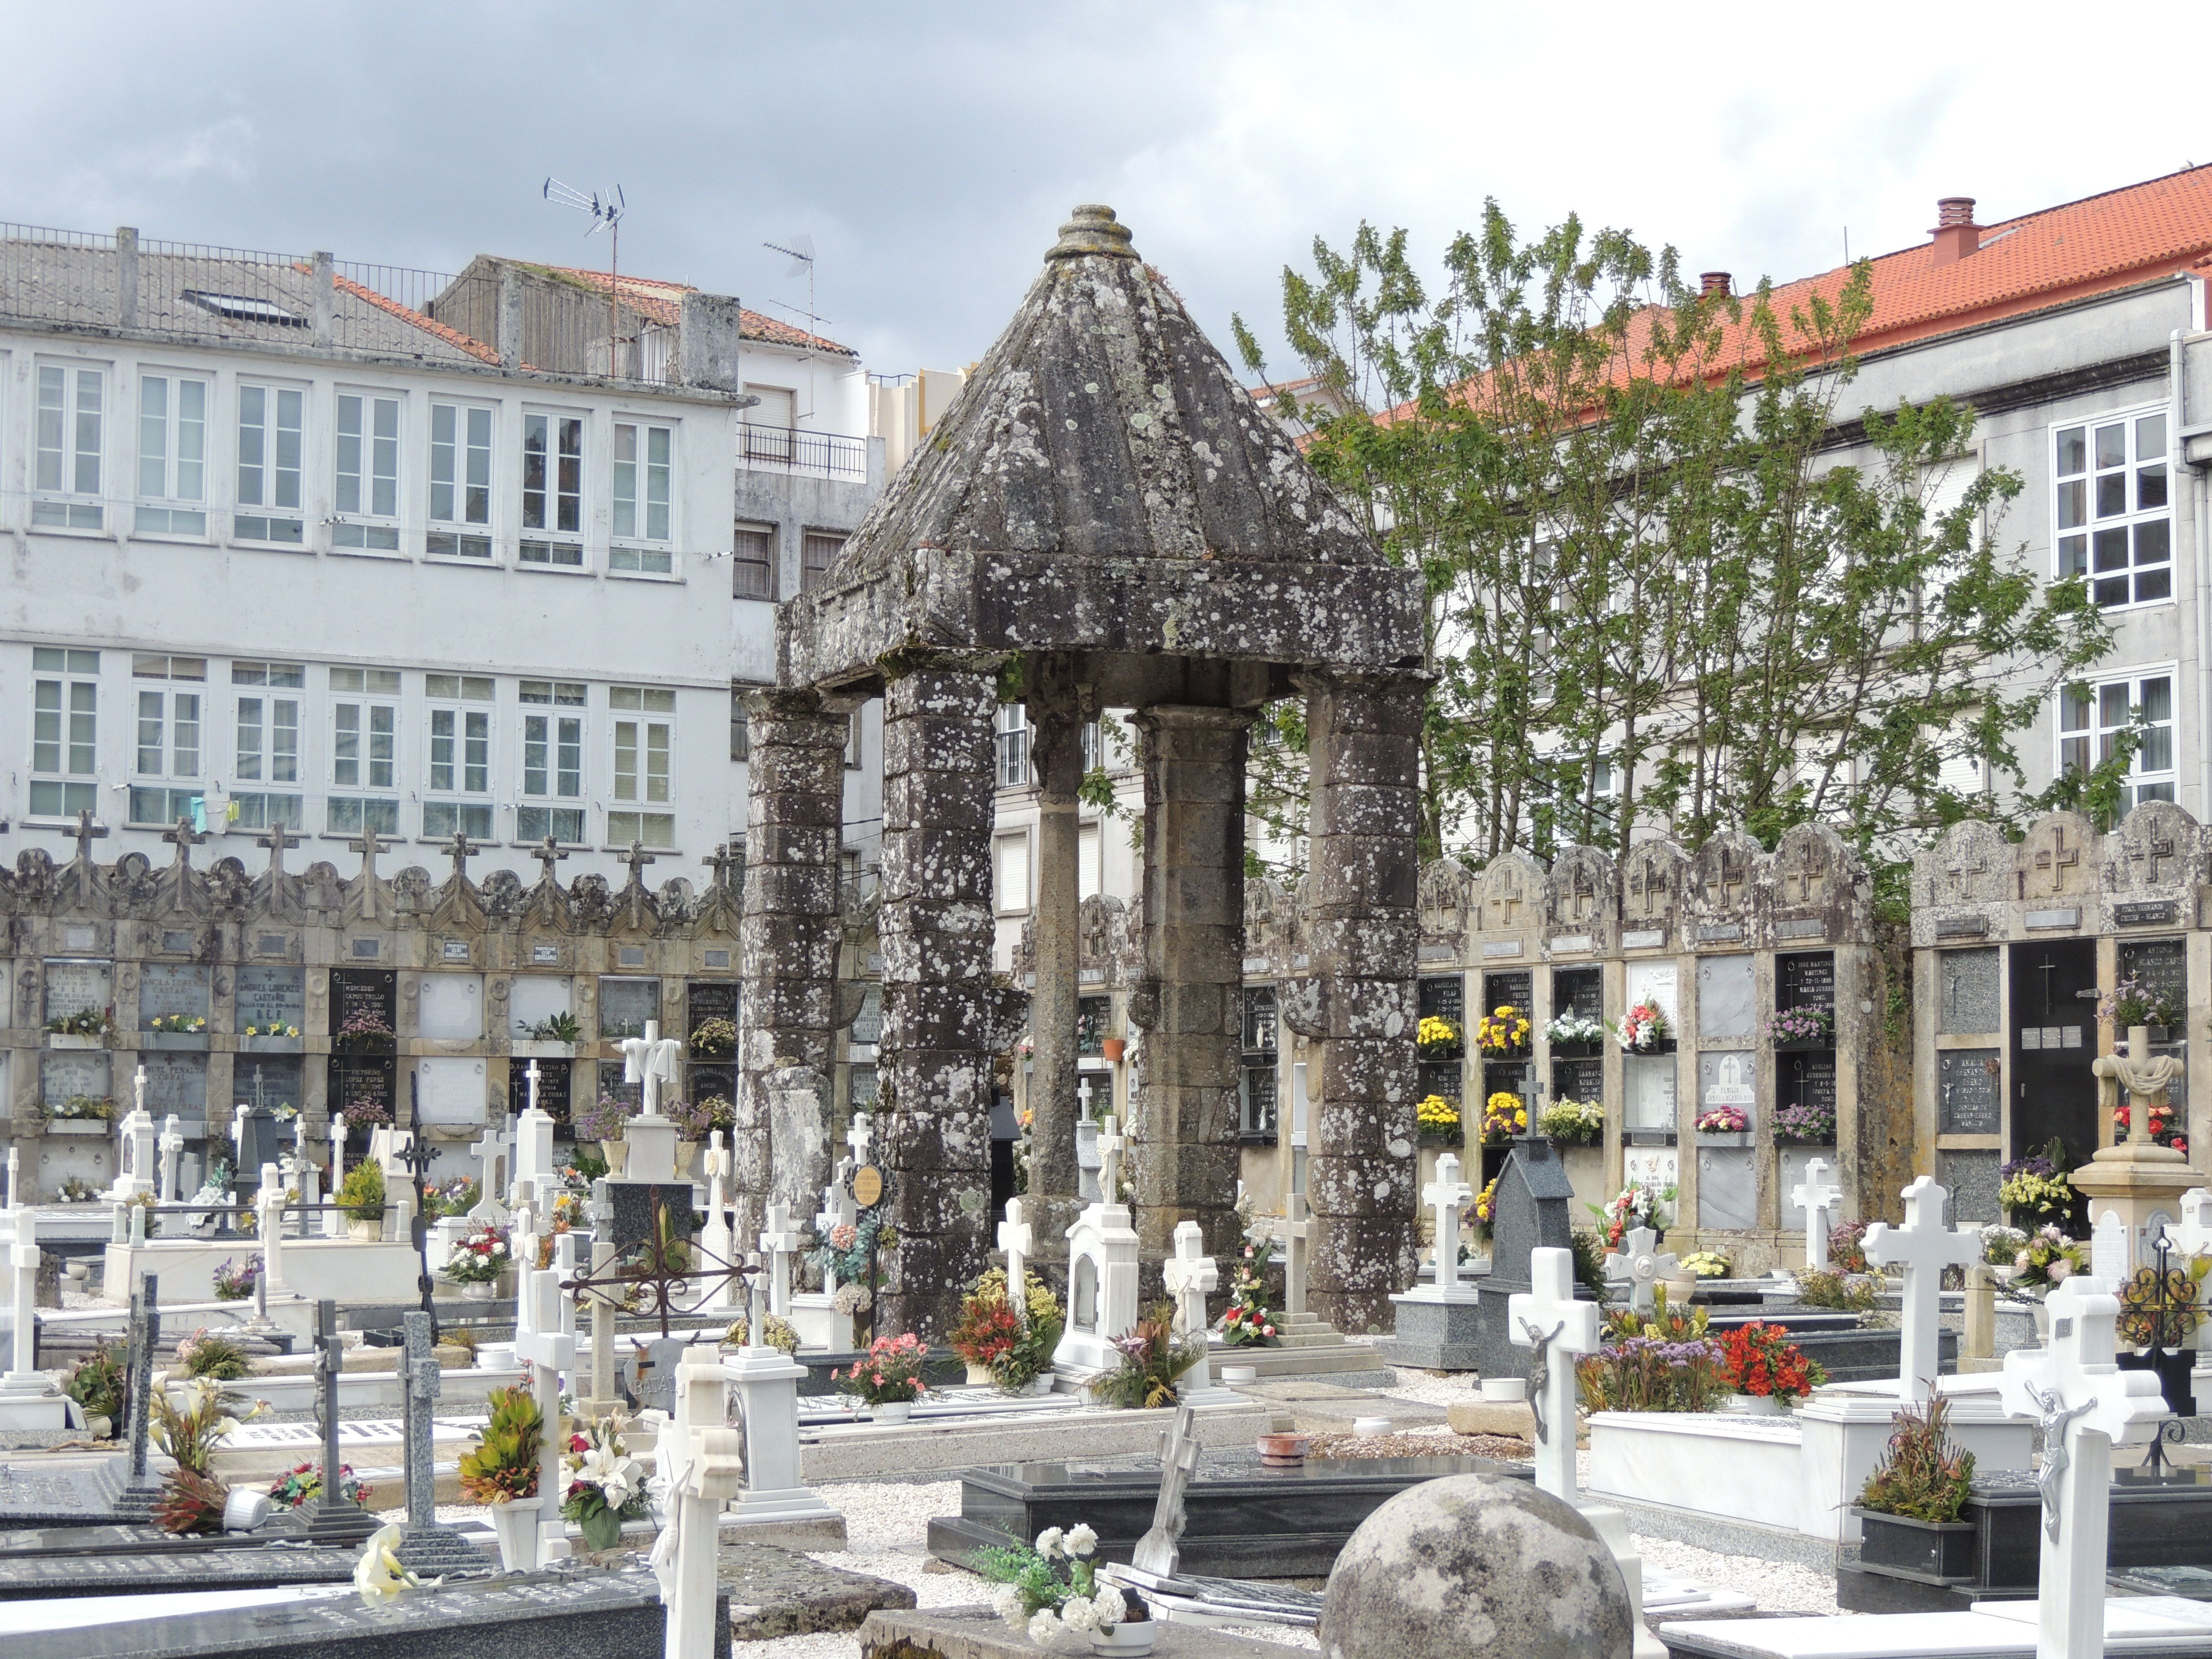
[1104,483]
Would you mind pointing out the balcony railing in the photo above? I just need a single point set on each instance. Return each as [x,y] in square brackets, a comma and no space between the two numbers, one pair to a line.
[784,449]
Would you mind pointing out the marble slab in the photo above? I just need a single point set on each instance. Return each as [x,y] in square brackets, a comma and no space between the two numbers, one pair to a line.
[1992,1630]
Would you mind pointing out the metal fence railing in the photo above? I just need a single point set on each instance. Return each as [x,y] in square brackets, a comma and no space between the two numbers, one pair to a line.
[783,449]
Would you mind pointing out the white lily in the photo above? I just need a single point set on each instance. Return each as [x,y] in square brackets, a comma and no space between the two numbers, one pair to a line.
[377,1575]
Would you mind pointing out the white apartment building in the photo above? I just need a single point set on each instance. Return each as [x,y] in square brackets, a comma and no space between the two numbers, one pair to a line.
[348,548]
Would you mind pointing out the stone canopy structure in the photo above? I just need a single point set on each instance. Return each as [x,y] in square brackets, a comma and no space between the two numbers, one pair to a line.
[1104,519]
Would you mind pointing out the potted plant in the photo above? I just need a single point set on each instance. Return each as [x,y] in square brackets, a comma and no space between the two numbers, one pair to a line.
[1054,1587]
[87,1028]
[364,1032]
[777,1333]
[1798,1029]
[1152,1362]
[1645,1029]
[1437,1121]
[1247,1323]
[271,1037]
[96,1383]
[1805,1123]
[1438,1039]
[1573,1036]
[715,1039]
[1503,1115]
[1909,1508]
[604,1485]
[1767,1371]
[987,1330]
[1706,1264]
[888,1381]
[1111,1050]
[191,1499]
[2131,1004]
[500,1471]
[604,1121]
[696,1121]
[1503,1032]
[1573,1122]
[361,1195]
[234,1280]
[79,1115]
[478,1257]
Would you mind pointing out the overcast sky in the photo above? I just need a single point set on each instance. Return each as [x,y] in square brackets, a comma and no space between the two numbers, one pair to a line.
[929,150]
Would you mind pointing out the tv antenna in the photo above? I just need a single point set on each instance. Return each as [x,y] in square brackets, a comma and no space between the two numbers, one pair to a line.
[606,210]
[800,252]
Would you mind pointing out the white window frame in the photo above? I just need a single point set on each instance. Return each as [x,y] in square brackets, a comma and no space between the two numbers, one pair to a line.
[753,578]
[1002,845]
[69,446]
[265,762]
[1011,747]
[635,713]
[460,531]
[264,475]
[173,454]
[2153,772]
[548,545]
[641,544]
[556,759]
[2078,549]
[370,524]
[169,736]
[372,794]
[460,770]
[61,787]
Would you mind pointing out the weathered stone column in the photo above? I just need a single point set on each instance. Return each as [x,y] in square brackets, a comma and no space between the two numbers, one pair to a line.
[1363,939]
[788,937]
[1190,1000]
[944,1016]
[1056,755]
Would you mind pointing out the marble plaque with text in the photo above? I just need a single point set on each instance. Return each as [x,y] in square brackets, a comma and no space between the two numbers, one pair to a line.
[166,989]
[1966,1092]
[271,996]
[625,1005]
[74,985]
[176,1082]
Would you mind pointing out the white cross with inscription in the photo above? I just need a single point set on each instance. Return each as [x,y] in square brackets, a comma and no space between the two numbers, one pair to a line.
[779,1242]
[1444,1196]
[1017,1238]
[1111,1143]
[1296,1230]
[1188,1274]
[1819,1198]
[2085,1405]
[2194,1235]
[1923,1247]
[1548,1318]
[1639,1265]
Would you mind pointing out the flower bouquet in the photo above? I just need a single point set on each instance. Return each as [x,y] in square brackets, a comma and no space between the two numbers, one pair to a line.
[1503,1030]
[605,1484]
[1152,1362]
[1436,1118]
[2048,1259]
[84,1023]
[191,1499]
[234,1280]
[1661,1361]
[2001,1244]
[1247,1323]
[1707,1264]
[1438,1038]
[303,1483]
[2035,1186]
[1847,1246]
[1722,1121]
[1574,1123]
[890,1376]
[1758,1360]
[1574,1029]
[1634,1205]
[2163,1131]
[363,1029]
[365,1112]
[1808,1123]
[715,1039]
[696,1120]
[275,1028]
[2128,1005]
[603,1121]
[1798,1026]
[503,1466]
[478,1257]
[1643,1029]
[178,1024]
[1054,1587]
[1502,1116]
[844,1252]
[450,1198]
[1485,1207]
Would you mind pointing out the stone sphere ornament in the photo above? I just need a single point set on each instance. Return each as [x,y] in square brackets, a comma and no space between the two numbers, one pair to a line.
[1476,1566]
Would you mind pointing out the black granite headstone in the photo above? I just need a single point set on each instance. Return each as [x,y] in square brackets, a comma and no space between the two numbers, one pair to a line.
[633,1204]
[1533,1211]
[1805,979]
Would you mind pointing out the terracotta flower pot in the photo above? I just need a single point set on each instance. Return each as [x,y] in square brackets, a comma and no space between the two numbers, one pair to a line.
[1114,1048]
[1283,1451]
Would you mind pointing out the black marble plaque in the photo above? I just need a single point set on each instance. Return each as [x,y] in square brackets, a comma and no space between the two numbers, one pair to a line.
[271,996]
[1805,979]
[1443,996]
[1506,1076]
[274,1080]
[1442,1077]
[364,990]
[2159,912]
[553,1085]
[633,1202]
[1967,1092]
[1967,995]
[167,988]
[709,999]
[41,1577]
[1806,1077]
[1578,1079]
[1578,991]
[625,1005]
[2161,965]
[363,1077]
[1516,986]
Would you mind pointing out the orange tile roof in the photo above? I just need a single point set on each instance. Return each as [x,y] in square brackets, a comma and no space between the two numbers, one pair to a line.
[451,337]
[664,303]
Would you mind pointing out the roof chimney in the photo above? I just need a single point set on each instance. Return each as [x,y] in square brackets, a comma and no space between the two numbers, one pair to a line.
[1711,282]
[1956,234]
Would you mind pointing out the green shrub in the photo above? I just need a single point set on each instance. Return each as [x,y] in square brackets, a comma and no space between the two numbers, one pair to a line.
[361,1195]
[1921,1475]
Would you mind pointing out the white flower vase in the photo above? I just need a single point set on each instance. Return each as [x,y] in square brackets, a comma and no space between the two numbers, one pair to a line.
[617,1156]
[1129,1638]
[365,1233]
[1041,1383]
[516,1524]
[979,1376]
[891,1411]
[483,1291]
[1756,1404]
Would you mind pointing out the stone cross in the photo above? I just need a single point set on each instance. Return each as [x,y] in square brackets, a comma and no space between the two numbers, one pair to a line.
[138,1089]
[461,849]
[637,858]
[19,1235]
[2085,1405]
[711,1472]
[1640,1266]
[1157,1551]
[715,1240]
[268,1218]
[1923,1247]
[1819,1198]
[1189,1274]
[276,839]
[1017,1238]
[172,1148]
[650,1062]
[426,1548]
[1548,1318]
[1111,1142]
[857,1135]
[779,1242]
[491,1148]
[136,1501]
[368,846]
[1082,1099]
[756,1309]
[1444,1196]
[85,834]
[334,1220]
[184,839]
[1296,1230]
[548,853]
[336,1518]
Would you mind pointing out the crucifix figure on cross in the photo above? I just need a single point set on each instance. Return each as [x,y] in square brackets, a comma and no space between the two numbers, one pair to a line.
[1640,1266]
[1819,1200]
[1923,1247]
[1444,1196]
[2087,1406]
[1548,1318]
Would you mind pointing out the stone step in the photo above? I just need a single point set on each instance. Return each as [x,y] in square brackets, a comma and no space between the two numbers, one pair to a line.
[1344,1358]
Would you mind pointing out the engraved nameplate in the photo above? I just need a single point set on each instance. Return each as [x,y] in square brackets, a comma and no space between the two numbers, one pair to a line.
[1963,928]
[1511,947]
[1571,942]
[2159,914]
[1643,939]
[1712,932]
[2052,919]
[1802,927]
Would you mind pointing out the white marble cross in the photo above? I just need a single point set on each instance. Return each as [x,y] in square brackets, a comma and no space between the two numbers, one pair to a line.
[1189,1274]
[2085,1405]
[1083,1098]
[545,1340]
[857,1136]
[1111,1142]
[490,1149]
[1639,1265]
[1923,1247]
[19,1252]
[1820,1199]
[779,1242]
[1548,1318]
[530,1076]
[269,1214]
[1017,1238]
[334,1221]
[1444,1196]
[172,1148]
[650,1062]
[15,1175]
[716,1238]
[1296,1230]
[138,1090]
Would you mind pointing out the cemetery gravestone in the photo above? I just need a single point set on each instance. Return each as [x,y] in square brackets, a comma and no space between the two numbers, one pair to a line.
[73,985]
[73,1071]
[1726,1004]
[426,1548]
[1923,1246]
[625,1005]
[1968,992]
[171,989]
[1533,1202]
[450,1091]
[1972,1179]
[177,1083]
[1966,1092]
[269,996]
[451,1009]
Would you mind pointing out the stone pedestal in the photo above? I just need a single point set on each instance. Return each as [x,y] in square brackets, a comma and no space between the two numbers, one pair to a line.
[2141,1183]
[1437,1330]
[651,1148]
[767,1385]
[819,1325]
